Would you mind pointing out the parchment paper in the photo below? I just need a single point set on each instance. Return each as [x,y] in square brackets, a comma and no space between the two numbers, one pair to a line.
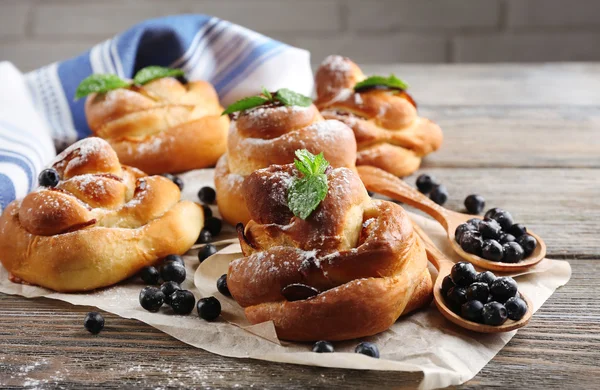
[423,341]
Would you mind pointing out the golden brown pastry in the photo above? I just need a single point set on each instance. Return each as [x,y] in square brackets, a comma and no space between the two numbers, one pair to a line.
[162,126]
[349,270]
[270,134]
[389,132]
[100,224]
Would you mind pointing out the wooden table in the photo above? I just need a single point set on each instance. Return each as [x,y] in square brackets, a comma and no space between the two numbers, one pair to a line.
[527,137]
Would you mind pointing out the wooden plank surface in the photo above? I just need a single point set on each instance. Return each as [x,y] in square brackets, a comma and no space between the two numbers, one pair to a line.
[527,137]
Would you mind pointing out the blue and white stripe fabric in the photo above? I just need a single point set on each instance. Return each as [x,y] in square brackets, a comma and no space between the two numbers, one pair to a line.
[38,111]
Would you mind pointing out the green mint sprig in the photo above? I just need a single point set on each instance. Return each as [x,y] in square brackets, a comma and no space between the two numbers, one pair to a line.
[391,82]
[285,96]
[102,83]
[307,192]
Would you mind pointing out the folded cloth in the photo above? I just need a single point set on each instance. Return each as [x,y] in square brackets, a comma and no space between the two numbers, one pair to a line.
[39,107]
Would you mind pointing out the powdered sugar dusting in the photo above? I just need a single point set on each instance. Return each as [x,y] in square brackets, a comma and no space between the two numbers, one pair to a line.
[84,148]
[336,63]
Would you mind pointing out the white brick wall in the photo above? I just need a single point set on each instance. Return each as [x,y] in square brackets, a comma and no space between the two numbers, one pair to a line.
[37,32]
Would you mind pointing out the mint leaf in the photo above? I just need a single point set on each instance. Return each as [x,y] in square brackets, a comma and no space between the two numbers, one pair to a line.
[245,104]
[267,94]
[306,193]
[149,73]
[291,98]
[391,82]
[99,83]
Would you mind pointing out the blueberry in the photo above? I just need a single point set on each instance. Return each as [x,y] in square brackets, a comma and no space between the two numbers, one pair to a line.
[460,229]
[455,297]
[208,308]
[370,193]
[528,243]
[506,237]
[222,285]
[478,291]
[492,250]
[516,308]
[504,219]
[503,288]
[491,212]
[471,242]
[172,271]
[207,195]
[439,195]
[207,212]
[471,311]
[168,288]
[149,275]
[151,298]
[475,222]
[93,322]
[368,349]
[182,301]
[463,273]
[490,229]
[485,277]
[513,252]
[213,225]
[493,313]
[517,230]
[204,237]
[426,183]
[206,251]
[474,204]
[175,258]
[48,178]
[178,182]
[447,284]
[322,347]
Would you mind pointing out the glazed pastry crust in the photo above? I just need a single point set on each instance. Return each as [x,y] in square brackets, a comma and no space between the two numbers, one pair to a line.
[362,255]
[162,126]
[389,132]
[100,225]
[270,135]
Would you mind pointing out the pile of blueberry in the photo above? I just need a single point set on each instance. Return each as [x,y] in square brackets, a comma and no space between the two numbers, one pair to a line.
[482,297]
[364,348]
[172,272]
[212,225]
[427,184]
[496,237]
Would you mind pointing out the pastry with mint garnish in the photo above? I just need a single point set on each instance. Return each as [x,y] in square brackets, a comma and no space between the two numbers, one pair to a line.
[389,132]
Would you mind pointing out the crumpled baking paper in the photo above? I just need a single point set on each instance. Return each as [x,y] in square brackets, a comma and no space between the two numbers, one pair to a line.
[423,341]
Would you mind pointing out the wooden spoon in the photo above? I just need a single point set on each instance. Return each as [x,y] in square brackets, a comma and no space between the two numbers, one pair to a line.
[382,182]
[444,265]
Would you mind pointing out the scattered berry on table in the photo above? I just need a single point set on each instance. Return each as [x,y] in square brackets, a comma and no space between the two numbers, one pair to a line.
[207,195]
[175,179]
[494,313]
[474,204]
[49,178]
[492,250]
[513,252]
[151,298]
[213,225]
[463,274]
[93,322]
[168,288]
[323,347]
[503,288]
[150,275]
[182,301]
[472,310]
[516,308]
[172,271]
[478,291]
[208,308]
[175,258]
[528,243]
[222,285]
[426,183]
[206,251]
[439,195]
[368,349]
[204,237]
[207,212]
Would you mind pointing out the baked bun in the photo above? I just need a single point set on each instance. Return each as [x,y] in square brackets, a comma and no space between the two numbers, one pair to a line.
[349,270]
[389,133]
[271,134]
[101,224]
[162,126]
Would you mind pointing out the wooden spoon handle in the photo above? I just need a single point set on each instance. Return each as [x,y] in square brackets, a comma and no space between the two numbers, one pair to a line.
[382,182]
[437,258]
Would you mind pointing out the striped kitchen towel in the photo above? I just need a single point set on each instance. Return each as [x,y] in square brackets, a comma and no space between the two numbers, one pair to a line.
[39,116]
